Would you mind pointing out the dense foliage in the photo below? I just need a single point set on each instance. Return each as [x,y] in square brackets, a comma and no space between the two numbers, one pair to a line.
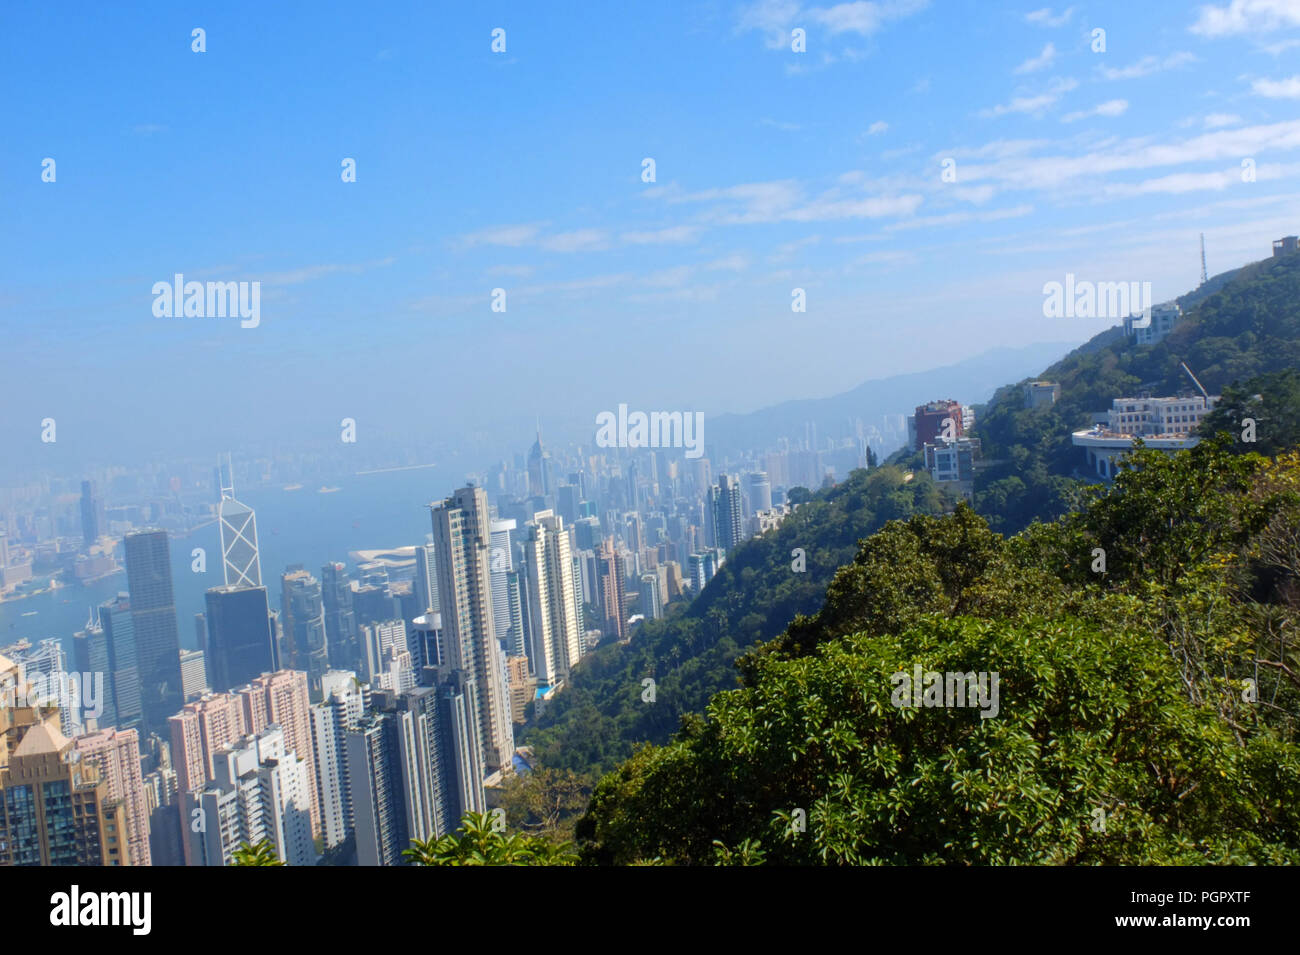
[1146,645]
[482,841]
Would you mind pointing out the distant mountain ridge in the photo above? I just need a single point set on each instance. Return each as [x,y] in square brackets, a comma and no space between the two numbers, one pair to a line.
[969,381]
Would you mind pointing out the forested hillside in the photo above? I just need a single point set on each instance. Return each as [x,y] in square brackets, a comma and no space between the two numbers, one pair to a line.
[1249,327]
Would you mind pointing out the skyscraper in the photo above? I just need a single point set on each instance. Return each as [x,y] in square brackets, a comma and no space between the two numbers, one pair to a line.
[540,479]
[345,703]
[340,618]
[241,636]
[92,509]
[462,542]
[304,624]
[240,563]
[153,615]
[426,578]
[727,513]
[503,564]
[556,628]
[612,573]
[118,625]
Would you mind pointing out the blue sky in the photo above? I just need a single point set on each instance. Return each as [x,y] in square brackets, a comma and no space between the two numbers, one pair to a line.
[522,170]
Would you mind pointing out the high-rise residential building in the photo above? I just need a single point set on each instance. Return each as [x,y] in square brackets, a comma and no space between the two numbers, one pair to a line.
[703,566]
[117,755]
[282,699]
[54,809]
[462,541]
[92,511]
[610,569]
[760,492]
[519,634]
[503,564]
[241,636]
[345,702]
[153,616]
[651,605]
[460,744]
[383,645]
[934,420]
[304,624]
[259,791]
[556,629]
[163,796]
[378,813]
[426,578]
[194,675]
[340,618]
[198,732]
[727,513]
[522,687]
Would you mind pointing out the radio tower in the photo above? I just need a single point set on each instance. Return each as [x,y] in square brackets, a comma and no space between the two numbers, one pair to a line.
[1205,275]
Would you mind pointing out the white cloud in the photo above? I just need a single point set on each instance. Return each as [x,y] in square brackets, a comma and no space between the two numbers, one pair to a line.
[508,235]
[1045,18]
[1039,62]
[786,127]
[671,234]
[865,17]
[1112,107]
[1033,105]
[1246,16]
[579,240]
[1219,120]
[1147,65]
[879,126]
[1288,88]
[776,18]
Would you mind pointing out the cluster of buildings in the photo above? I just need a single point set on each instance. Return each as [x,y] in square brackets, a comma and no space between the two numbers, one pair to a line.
[374,704]
[939,430]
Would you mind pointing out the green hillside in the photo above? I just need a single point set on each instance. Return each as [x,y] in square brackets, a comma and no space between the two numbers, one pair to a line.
[1249,327]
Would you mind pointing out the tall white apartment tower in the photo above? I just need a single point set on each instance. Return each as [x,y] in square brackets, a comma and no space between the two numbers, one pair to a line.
[557,628]
[463,549]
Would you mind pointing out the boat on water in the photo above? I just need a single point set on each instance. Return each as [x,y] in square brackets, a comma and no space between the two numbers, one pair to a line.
[293,487]
[31,613]
[329,490]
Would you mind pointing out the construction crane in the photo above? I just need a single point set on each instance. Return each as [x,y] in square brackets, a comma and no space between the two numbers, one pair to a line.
[1205,275]
[1199,386]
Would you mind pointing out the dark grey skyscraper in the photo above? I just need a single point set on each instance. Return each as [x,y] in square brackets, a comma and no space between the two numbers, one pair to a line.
[304,625]
[727,513]
[340,618]
[241,636]
[153,615]
[91,509]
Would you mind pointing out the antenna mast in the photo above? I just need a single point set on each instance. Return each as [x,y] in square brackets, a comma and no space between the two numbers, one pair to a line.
[1205,275]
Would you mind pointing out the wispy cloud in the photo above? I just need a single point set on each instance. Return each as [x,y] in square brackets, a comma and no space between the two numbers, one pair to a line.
[1246,16]
[579,240]
[878,127]
[1288,88]
[1040,62]
[1036,104]
[310,273]
[1146,66]
[774,19]
[665,236]
[1045,18]
[508,235]
[1112,107]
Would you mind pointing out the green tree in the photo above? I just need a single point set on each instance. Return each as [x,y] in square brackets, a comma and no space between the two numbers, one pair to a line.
[261,854]
[481,841]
